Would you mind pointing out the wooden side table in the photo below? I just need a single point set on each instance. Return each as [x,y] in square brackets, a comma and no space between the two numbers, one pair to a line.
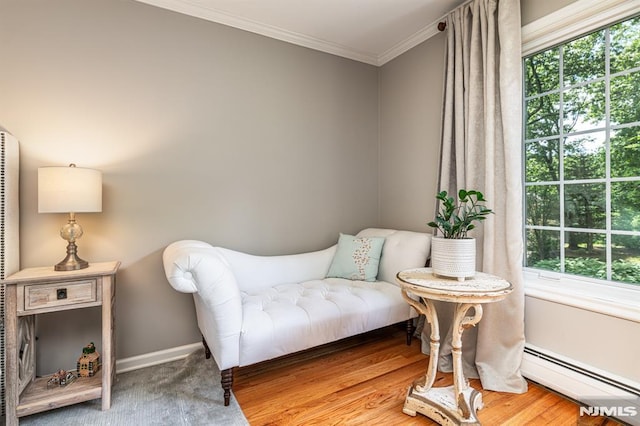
[457,404]
[34,291]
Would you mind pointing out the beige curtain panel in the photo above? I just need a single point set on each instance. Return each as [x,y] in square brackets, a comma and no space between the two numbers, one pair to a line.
[481,149]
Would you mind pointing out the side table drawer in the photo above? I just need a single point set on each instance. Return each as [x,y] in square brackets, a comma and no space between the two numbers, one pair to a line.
[44,296]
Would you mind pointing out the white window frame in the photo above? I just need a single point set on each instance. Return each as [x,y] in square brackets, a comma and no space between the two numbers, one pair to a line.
[609,298]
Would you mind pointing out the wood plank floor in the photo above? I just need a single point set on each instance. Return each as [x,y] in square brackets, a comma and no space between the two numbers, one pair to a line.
[363,381]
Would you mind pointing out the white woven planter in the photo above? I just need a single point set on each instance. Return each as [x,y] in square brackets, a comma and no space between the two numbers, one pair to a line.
[453,258]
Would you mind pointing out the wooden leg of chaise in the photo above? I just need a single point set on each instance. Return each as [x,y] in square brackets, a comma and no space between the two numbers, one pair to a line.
[409,331]
[226,375]
[227,383]
[207,351]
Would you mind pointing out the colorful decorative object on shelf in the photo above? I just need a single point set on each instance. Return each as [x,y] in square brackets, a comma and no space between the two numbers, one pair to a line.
[89,362]
[61,378]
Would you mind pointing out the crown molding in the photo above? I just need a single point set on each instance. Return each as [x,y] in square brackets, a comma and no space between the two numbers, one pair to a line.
[409,43]
[187,7]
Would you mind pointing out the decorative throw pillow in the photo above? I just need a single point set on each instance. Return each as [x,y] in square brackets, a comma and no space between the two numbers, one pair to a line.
[356,258]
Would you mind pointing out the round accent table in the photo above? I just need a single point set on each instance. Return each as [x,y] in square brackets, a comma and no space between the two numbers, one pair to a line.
[457,404]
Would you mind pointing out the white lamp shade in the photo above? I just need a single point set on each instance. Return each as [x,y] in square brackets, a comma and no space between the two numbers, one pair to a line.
[69,190]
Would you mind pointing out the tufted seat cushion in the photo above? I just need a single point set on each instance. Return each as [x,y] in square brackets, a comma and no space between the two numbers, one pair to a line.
[288,318]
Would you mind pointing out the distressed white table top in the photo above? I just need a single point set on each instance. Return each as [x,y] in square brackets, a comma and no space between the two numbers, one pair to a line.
[478,289]
[44,273]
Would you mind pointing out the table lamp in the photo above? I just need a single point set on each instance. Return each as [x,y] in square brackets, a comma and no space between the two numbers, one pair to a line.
[69,190]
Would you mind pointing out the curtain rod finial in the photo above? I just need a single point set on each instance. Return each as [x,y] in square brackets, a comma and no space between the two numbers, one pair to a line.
[442,26]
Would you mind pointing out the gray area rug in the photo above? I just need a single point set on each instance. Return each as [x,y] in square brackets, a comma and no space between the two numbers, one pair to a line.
[183,392]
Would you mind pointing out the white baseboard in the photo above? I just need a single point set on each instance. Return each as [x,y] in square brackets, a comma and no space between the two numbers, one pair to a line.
[565,377]
[154,358]
[562,380]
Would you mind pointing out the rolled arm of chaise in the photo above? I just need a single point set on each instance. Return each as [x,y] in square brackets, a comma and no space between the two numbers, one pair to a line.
[197,267]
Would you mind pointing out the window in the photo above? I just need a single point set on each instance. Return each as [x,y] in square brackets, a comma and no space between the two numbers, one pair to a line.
[582,155]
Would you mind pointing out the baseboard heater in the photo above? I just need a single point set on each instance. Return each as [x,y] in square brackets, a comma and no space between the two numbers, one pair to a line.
[619,397]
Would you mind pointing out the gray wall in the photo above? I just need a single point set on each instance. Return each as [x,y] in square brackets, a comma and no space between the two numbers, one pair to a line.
[410,110]
[201,131]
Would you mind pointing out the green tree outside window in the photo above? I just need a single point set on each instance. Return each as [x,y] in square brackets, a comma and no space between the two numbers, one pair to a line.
[582,155]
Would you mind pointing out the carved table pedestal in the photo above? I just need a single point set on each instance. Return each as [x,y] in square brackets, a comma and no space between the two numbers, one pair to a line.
[457,404]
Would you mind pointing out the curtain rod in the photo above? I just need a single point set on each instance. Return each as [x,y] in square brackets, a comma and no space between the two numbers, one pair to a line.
[442,25]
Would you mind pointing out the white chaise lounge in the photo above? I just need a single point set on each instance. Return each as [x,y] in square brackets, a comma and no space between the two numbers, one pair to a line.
[255,308]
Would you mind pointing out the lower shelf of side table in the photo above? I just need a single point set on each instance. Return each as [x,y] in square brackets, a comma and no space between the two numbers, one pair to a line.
[440,405]
[37,398]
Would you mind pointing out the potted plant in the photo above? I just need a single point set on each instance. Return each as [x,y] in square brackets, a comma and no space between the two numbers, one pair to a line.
[454,253]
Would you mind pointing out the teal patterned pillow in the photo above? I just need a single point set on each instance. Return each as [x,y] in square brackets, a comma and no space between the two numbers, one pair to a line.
[356,258]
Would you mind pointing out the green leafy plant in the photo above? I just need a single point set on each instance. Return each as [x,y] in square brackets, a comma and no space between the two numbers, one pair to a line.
[455,218]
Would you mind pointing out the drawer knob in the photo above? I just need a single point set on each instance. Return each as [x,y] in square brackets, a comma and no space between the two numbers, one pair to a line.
[61,293]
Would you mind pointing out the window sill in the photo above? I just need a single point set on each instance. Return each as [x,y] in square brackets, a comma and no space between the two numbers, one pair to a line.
[611,299]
